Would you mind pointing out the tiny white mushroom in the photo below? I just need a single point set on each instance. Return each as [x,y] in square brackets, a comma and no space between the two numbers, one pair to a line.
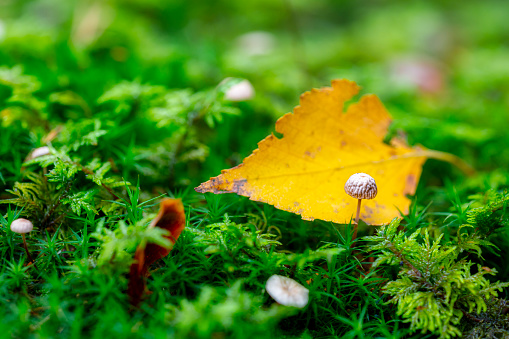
[22,226]
[37,152]
[241,91]
[40,151]
[360,186]
[287,291]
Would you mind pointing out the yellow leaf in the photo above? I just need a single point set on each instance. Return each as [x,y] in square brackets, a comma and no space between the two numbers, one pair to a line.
[305,171]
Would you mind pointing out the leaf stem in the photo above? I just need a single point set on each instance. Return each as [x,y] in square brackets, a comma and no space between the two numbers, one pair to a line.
[90,172]
[452,159]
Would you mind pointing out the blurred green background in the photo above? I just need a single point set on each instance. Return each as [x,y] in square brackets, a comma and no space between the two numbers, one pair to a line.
[440,67]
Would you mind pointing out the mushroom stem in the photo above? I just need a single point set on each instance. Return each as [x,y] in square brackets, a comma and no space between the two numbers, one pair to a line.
[28,253]
[356,219]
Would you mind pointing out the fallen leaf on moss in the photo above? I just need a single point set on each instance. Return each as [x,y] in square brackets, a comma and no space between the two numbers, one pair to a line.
[305,170]
[171,217]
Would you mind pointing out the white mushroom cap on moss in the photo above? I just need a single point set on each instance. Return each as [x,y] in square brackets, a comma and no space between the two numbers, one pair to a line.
[22,226]
[39,152]
[361,186]
[241,91]
[287,291]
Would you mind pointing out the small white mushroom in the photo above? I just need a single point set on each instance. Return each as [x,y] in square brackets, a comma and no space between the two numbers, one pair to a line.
[22,226]
[287,291]
[37,152]
[40,151]
[240,92]
[360,186]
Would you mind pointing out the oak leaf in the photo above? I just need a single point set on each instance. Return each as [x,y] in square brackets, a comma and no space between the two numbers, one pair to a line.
[171,217]
[305,170]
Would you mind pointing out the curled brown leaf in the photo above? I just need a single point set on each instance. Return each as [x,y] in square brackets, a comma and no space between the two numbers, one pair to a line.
[171,217]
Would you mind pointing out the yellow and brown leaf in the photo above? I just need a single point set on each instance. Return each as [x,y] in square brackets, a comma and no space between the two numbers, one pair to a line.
[304,171]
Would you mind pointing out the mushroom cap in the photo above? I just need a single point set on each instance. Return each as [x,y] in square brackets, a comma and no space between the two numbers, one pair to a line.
[22,226]
[40,151]
[287,291]
[361,186]
[37,152]
[240,92]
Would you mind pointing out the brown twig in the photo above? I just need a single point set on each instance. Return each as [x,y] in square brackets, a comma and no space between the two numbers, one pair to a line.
[405,261]
[56,204]
[192,117]
[471,317]
[90,172]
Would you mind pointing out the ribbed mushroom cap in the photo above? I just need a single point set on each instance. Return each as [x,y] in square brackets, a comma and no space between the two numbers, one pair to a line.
[22,226]
[361,186]
[287,291]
